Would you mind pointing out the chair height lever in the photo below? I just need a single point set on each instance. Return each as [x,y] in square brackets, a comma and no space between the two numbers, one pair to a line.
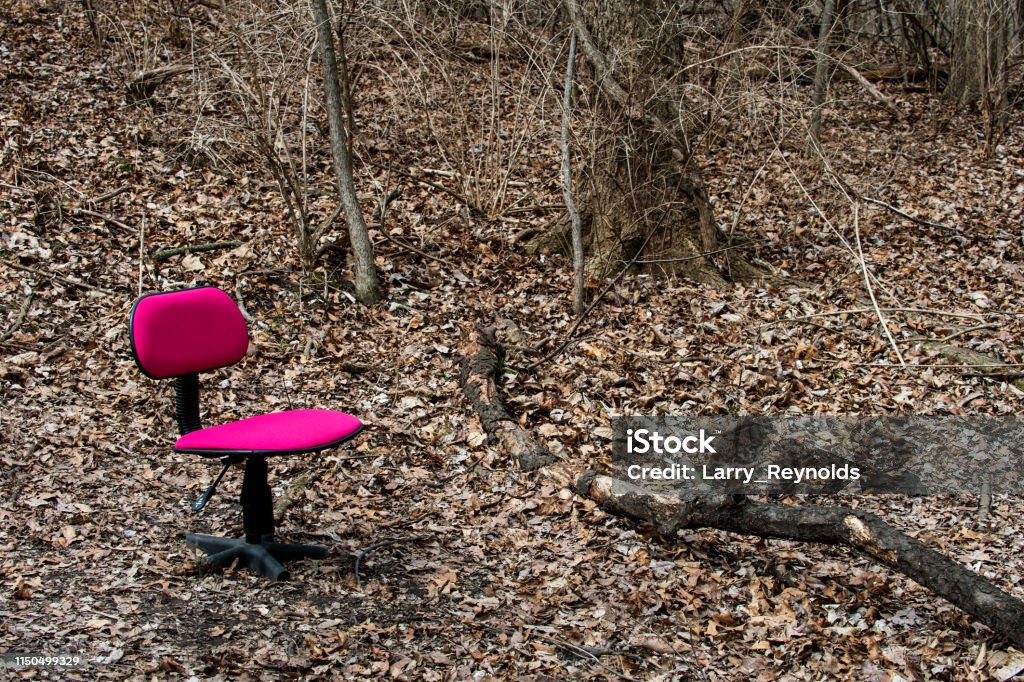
[201,502]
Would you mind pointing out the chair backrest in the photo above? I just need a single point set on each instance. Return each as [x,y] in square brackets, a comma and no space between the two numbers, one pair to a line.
[183,332]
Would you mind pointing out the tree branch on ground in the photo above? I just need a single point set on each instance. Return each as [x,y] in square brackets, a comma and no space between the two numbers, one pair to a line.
[481,360]
[863,531]
[144,83]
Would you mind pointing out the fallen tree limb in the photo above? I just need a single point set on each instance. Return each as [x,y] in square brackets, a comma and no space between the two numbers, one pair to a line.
[164,254]
[983,365]
[480,358]
[111,194]
[870,73]
[144,83]
[668,514]
[870,89]
[861,530]
[897,72]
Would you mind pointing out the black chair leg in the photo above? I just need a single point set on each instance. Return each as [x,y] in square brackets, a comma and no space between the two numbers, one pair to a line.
[211,544]
[257,551]
[265,559]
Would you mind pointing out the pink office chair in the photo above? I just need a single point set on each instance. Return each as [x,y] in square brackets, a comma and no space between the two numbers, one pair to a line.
[182,333]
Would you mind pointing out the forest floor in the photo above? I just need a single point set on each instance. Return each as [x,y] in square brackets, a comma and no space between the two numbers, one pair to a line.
[502,574]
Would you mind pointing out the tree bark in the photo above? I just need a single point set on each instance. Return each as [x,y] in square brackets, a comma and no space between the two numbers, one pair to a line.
[366,284]
[858,529]
[643,191]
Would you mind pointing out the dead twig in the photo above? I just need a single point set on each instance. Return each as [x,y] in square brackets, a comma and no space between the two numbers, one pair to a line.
[859,311]
[385,202]
[580,651]
[71,281]
[164,254]
[144,83]
[26,305]
[107,219]
[111,194]
[870,88]
[957,365]
[871,292]
[241,303]
[382,210]
[704,254]
[409,247]
[538,208]
[956,334]
[919,221]
[968,330]
[401,522]
[377,545]
[423,181]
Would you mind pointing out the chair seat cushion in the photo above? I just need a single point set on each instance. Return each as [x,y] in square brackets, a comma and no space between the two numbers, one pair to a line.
[277,433]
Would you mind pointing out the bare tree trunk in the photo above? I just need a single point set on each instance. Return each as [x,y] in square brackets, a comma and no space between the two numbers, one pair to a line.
[90,15]
[643,200]
[367,287]
[578,304]
[821,73]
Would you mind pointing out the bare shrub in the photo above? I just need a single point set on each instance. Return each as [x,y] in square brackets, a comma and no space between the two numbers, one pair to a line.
[258,91]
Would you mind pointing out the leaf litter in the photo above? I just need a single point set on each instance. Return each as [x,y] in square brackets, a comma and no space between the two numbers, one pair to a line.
[512,576]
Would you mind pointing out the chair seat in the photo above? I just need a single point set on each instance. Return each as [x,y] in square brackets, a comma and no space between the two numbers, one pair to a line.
[277,433]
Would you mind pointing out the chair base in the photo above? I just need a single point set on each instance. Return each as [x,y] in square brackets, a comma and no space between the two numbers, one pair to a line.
[263,558]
